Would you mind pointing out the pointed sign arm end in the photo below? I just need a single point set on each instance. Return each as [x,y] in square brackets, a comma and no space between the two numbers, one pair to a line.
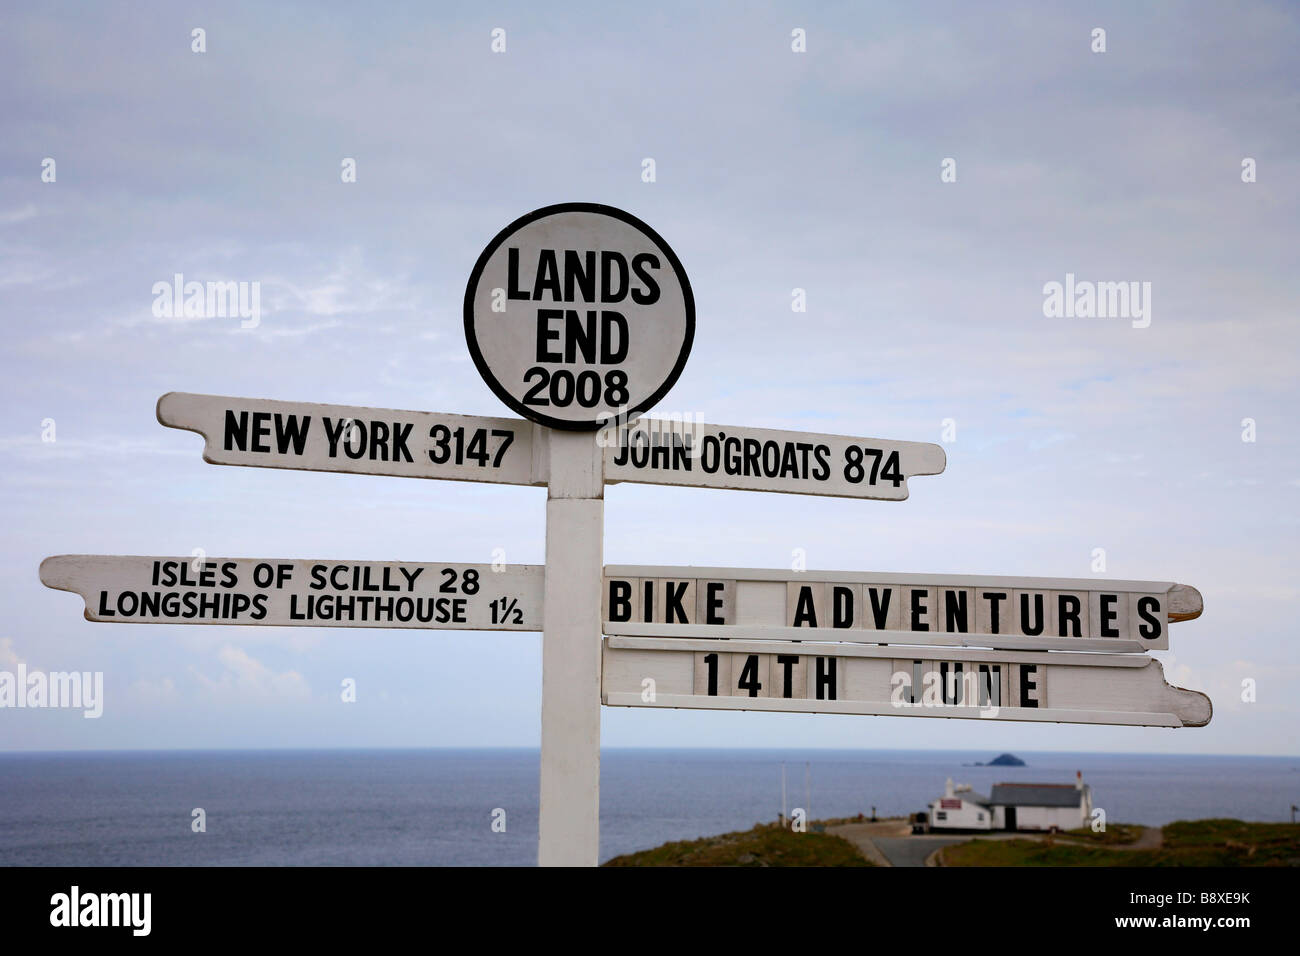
[942,464]
[1185,603]
[166,410]
[57,572]
[177,410]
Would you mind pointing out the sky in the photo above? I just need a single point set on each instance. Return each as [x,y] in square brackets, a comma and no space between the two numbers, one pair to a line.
[774,170]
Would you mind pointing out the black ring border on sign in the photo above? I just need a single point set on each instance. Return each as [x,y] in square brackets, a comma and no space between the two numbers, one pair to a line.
[471,339]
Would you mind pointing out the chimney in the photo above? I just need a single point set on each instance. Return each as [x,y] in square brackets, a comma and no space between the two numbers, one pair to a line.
[947,789]
[1078,779]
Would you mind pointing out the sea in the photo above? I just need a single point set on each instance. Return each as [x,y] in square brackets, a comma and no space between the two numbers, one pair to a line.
[479,807]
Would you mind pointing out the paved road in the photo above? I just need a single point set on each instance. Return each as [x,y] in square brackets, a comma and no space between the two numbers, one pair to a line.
[912,850]
[864,835]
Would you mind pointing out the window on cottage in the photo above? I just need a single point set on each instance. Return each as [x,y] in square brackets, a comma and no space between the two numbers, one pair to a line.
[941,815]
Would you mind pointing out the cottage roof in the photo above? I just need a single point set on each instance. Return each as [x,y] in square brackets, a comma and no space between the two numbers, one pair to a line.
[1037,795]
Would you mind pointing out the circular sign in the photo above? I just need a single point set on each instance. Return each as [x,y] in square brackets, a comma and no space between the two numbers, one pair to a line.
[579,314]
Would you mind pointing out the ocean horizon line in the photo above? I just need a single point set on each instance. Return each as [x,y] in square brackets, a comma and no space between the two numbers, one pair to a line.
[468,748]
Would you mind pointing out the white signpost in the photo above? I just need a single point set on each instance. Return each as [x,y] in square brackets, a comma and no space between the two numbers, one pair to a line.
[1075,614]
[305,436]
[796,677]
[578,313]
[364,441]
[667,452]
[580,318]
[280,592]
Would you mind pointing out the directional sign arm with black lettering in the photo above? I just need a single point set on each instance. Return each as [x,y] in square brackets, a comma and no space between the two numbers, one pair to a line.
[1077,614]
[286,592]
[307,436]
[793,677]
[671,452]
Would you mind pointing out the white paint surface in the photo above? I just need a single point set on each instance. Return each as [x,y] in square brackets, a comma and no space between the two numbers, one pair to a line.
[452,447]
[1062,687]
[849,606]
[691,454]
[528,342]
[569,833]
[280,592]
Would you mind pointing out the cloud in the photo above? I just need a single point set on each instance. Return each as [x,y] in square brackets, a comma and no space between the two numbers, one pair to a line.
[245,676]
[9,659]
[10,216]
[154,692]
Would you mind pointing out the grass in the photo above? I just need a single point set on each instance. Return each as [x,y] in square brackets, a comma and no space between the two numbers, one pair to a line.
[1186,843]
[1115,834]
[767,844]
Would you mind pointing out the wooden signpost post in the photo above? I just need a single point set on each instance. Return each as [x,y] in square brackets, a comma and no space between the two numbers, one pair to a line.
[580,318]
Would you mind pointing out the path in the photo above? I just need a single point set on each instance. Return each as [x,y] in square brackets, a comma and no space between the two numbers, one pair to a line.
[864,836]
[891,843]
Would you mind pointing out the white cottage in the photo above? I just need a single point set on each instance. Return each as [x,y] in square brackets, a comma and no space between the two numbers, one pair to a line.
[1013,806]
[1042,806]
[960,808]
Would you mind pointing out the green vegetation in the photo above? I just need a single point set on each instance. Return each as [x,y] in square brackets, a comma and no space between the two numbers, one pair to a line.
[1114,834]
[1186,843]
[767,844]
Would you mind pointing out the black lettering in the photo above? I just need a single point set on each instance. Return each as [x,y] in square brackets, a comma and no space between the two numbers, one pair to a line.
[236,430]
[919,609]
[548,276]
[951,687]
[579,335]
[261,431]
[610,324]
[1028,684]
[995,599]
[579,272]
[841,606]
[620,601]
[290,430]
[400,434]
[1069,608]
[880,606]
[787,662]
[609,292]
[1036,627]
[378,440]
[712,604]
[805,614]
[545,334]
[748,679]
[512,272]
[1145,607]
[649,295]
[825,681]
[333,433]
[823,469]
[1109,613]
[674,591]
[957,619]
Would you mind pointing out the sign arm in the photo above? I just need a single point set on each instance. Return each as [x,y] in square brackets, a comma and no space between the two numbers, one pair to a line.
[1185,603]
